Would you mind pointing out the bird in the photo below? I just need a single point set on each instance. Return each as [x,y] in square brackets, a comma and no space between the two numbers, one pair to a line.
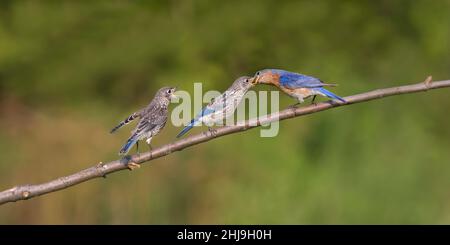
[222,106]
[152,120]
[296,85]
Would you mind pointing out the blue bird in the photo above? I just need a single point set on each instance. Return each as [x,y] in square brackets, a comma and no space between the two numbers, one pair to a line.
[222,106]
[153,118]
[296,85]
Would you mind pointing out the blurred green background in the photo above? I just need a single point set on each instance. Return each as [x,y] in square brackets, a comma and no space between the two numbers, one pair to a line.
[71,70]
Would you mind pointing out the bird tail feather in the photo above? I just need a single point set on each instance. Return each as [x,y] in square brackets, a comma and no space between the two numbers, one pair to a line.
[330,94]
[186,129]
[328,84]
[124,122]
[131,141]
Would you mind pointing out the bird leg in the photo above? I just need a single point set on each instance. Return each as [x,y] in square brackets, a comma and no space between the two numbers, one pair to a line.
[312,101]
[149,141]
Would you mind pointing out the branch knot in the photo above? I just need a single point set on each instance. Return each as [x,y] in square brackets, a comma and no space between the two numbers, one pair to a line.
[428,82]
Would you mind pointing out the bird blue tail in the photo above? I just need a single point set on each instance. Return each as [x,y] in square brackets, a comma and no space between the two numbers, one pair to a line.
[330,95]
[186,129]
[131,141]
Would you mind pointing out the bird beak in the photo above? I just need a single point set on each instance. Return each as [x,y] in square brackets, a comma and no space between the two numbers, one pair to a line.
[174,96]
[255,80]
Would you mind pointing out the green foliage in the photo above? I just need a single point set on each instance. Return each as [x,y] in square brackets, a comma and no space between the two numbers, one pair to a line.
[70,69]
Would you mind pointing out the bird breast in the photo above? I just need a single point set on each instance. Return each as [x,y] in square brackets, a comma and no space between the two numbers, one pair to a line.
[298,92]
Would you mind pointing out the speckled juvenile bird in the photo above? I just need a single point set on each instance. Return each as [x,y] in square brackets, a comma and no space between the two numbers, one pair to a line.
[153,118]
[221,107]
[296,85]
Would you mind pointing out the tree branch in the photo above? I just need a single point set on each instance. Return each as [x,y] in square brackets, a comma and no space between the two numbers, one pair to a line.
[25,192]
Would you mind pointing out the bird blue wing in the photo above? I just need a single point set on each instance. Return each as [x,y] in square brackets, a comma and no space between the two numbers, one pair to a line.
[215,105]
[295,80]
[204,112]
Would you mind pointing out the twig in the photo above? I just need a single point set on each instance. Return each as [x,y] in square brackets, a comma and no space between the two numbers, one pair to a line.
[25,192]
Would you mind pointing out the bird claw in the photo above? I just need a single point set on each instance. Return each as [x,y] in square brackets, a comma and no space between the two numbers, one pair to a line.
[294,106]
[132,166]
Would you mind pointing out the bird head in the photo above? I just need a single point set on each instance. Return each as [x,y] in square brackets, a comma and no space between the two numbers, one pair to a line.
[243,83]
[167,93]
[266,76]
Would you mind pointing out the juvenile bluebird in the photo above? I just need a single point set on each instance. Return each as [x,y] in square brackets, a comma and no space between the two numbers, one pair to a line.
[296,85]
[153,118]
[221,107]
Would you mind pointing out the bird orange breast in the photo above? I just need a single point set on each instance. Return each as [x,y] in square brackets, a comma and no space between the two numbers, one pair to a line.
[270,78]
[288,91]
[275,79]
[305,92]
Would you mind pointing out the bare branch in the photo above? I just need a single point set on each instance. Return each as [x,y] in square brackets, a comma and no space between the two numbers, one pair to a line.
[25,192]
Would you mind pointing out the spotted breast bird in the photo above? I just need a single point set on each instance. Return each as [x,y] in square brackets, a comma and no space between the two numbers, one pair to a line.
[296,85]
[222,106]
[152,119]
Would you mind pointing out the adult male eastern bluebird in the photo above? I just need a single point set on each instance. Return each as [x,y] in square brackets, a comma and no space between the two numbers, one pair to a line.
[221,107]
[153,118]
[296,85]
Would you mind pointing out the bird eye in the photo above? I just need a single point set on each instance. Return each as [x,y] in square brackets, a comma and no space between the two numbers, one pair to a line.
[169,91]
[246,80]
[258,73]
